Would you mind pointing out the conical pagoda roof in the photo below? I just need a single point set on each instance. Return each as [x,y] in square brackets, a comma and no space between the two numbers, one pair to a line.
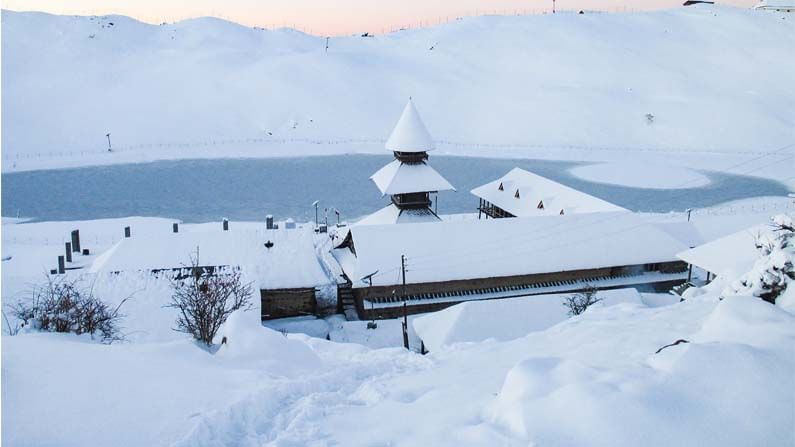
[410,134]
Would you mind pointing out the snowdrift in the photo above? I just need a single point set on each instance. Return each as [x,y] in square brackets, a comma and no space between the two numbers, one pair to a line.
[711,391]
[245,342]
[504,319]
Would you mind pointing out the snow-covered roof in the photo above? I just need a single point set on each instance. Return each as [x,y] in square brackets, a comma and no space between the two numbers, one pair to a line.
[729,256]
[400,178]
[504,319]
[410,134]
[391,214]
[774,4]
[290,262]
[706,228]
[468,249]
[522,193]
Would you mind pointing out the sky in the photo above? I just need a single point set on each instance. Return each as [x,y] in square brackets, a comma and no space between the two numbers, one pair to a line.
[331,17]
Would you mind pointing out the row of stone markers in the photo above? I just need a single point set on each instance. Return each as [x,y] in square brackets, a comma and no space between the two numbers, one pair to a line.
[70,248]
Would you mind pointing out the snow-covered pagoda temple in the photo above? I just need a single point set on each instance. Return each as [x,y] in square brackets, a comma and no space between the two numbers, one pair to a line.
[409,180]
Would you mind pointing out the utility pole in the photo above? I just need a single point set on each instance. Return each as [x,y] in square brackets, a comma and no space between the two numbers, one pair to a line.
[109,148]
[553,6]
[405,311]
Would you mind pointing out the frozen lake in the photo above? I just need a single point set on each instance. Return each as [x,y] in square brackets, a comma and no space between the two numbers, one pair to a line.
[248,189]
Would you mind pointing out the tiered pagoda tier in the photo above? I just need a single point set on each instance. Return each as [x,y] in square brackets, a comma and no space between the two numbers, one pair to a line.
[409,180]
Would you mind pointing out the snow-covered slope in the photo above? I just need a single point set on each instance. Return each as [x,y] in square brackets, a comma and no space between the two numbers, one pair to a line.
[713,78]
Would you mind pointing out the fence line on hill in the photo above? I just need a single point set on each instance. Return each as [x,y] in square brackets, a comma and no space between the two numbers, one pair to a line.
[417,24]
[211,142]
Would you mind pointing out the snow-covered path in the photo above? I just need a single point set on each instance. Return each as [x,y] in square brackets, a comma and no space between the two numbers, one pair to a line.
[450,403]
[292,412]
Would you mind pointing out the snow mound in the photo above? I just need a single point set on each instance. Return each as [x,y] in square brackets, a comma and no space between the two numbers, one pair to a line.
[705,392]
[245,342]
[639,175]
[534,379]
[504,319]
[745,319]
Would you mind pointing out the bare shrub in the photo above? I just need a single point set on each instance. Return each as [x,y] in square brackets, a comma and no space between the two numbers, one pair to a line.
[61,305]
[11,329]
[205,298]
[578,302]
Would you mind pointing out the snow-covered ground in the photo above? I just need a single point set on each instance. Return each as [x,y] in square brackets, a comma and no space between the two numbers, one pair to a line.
[716,80]
[477,321]
[595,379]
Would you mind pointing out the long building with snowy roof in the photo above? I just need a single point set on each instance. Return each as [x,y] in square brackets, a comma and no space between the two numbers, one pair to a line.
[520,193]
[458,261]
[776,5]
[281,264]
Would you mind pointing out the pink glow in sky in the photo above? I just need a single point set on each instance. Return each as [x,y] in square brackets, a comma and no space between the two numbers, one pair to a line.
[331,17]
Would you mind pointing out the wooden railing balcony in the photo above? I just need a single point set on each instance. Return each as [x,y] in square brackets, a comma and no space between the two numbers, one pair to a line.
[411,157]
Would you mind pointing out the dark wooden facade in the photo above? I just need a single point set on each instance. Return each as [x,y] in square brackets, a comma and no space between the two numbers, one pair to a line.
[412,200]
[491,210]
[411,157]
[281,303]
[509,286]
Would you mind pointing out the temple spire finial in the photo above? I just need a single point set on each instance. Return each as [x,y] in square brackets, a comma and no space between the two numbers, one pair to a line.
[410,133]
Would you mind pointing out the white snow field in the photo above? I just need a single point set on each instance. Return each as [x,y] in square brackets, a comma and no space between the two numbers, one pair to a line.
[717,81]
[590,380]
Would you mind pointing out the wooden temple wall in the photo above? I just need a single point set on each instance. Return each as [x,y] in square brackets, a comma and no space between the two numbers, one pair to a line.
[458,286]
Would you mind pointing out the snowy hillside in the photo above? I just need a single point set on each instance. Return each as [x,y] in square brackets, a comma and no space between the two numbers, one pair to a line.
[713,78]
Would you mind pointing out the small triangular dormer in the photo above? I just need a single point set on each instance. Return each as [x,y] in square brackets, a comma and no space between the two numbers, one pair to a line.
[561,211]
[517,194]
[500,187]
[540,205]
